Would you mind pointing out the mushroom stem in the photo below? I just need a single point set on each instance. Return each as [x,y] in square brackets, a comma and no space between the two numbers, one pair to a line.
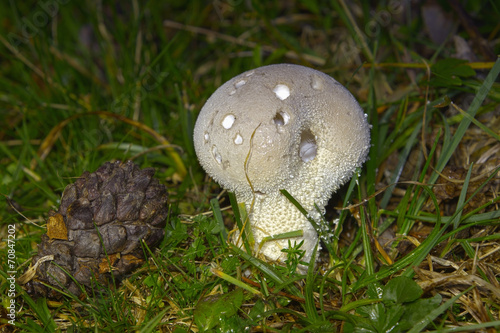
[265,206]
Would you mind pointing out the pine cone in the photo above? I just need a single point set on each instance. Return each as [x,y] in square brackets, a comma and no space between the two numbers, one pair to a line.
[102,219]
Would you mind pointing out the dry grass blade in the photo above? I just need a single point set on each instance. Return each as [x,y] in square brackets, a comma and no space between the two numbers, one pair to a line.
[48,143]
[473,65]
[238,41]
[24,60]
[431,280]
[30,273]
[78,66]
[410,182]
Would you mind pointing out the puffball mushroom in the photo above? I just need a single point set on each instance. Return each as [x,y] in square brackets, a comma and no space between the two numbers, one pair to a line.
[282,127]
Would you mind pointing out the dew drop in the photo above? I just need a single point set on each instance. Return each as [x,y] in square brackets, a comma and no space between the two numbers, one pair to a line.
[317,82]
[216,155]
[240,83]
[281,118]
[228,121]
[282,91]
[307,147]
[238,139]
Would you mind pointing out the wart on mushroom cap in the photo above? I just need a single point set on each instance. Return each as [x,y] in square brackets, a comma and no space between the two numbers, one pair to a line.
[300,129]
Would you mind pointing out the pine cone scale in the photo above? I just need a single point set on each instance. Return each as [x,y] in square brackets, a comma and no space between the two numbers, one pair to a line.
[128,206]
[104,208]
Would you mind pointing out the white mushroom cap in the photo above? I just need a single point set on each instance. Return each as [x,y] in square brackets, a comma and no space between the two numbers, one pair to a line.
[308,136]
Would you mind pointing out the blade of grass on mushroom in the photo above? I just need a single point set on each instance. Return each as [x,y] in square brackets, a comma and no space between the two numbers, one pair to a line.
[259,264]
[285,235]
[300,208]
[323,233]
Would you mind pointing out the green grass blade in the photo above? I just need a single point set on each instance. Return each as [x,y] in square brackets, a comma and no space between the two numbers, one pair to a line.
[470,328]
[267,269]
[310,306]
[414,258]
[402,160]
[367,249]
[214,203]
[152,325]
[42,311]
[319,226]
[483,91]
[259,264]
[477,122]
[236,282]
[240,216]
[343,214]
[461,198]
[300,208]
[436,312]
[285,235]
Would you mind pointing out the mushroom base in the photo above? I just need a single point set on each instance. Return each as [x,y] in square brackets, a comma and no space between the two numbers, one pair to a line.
[274,215]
